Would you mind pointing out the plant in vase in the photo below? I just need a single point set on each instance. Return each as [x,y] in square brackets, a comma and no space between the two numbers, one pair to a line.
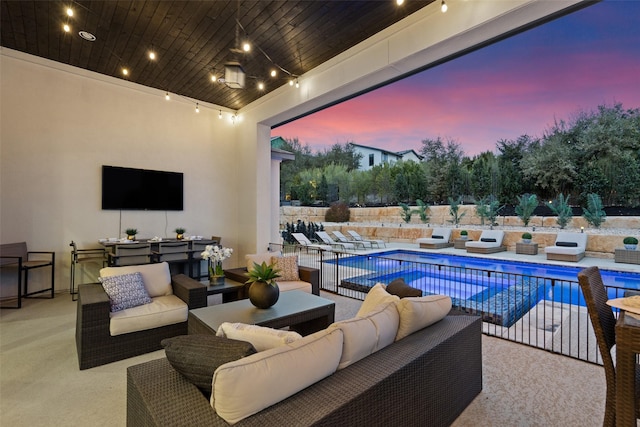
[264,291]
[215,254]
[630,243]
[180,233]
[464,235]
[131,233]
[526,237]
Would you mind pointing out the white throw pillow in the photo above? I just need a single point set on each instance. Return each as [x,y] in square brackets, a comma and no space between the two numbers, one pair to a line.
[261,337]
[376,296]
[260,258]
[244,387]
[419,312]
[156,277]
[366,335]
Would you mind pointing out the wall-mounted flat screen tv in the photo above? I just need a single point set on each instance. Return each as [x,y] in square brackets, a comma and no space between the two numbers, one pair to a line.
[141,189]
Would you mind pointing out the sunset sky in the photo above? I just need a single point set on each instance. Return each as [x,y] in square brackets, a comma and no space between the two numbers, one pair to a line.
[514,87]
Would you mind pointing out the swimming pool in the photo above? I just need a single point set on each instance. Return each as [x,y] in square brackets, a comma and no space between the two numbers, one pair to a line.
[472,281]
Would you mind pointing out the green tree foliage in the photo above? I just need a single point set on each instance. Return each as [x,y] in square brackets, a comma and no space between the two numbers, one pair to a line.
[362,186]
[338,212]
[594,212]
[527,203]
[484,175]
[445,176]
[511,178]
[560,206]
[323,189]
[401,188]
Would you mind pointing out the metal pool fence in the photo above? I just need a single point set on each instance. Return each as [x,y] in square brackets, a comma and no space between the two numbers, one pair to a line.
[541,312]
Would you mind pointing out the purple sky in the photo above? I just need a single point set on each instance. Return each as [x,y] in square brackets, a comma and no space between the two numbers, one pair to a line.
[514,87]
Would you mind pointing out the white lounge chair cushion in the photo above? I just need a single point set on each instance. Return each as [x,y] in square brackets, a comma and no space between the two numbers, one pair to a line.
[164,310]
[496,235]
[580,239]
[156,277]
[366,335]
[244,387]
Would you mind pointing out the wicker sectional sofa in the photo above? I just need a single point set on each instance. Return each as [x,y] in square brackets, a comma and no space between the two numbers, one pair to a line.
[426,378]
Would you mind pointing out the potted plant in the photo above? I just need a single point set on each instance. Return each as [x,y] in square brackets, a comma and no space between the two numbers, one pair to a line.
[630,243]
[180,233]
[215,254]
[264,291]
[464,235]
[526,237]
[131,233]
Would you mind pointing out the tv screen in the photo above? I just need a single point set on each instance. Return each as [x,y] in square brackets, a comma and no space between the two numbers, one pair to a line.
[141,189]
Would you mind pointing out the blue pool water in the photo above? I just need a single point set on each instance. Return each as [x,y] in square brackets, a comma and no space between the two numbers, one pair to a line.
[471,274]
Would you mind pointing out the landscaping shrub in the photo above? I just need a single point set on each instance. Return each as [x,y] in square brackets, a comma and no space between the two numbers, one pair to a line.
[338,212]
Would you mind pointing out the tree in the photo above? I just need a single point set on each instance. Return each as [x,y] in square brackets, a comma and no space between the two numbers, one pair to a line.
[401,188]
[511,178]
[527,203]
[560,206]
[323,189]
[484,175]
[594,212]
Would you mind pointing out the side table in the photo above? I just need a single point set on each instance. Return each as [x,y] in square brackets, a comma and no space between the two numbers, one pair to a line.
[627,256]
[460,243]
[526,248]
[230,290]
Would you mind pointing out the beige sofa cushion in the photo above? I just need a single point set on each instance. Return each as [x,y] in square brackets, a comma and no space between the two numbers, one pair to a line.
[295,285]
[376,296]
[247,386]
[366,335]
[261,337]
[260,258]
[419,312]
[156,277]
[164,310]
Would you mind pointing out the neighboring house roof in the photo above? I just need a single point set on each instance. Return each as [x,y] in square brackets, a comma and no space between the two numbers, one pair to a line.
[276,149]
[399,154]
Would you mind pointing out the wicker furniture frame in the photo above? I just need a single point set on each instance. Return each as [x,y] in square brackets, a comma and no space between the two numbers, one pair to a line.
[526,248]
[425,379]
[492,250]
[439,245]
[620,389]
[97,347]
[627,256]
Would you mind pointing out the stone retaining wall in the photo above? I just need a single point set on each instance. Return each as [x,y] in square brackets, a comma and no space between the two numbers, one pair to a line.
[386,223]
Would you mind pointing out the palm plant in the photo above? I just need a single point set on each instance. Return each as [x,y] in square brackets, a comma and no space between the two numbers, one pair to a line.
[264,272]
[527,203]
[560,206]
[405,212]
[423,210]
[594,212]
[454,210]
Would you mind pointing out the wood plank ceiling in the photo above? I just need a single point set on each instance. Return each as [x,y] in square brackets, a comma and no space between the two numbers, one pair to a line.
[194,39]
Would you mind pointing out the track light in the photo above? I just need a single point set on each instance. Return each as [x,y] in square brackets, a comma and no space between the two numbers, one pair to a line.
[220,114]
[166,96]
[197,108]
[443,7]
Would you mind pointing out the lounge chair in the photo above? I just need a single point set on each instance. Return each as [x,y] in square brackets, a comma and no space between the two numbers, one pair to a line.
[327,240]
[342,238]
[358,237]
[439,239]
[304,241]
[490,242]
[568,247]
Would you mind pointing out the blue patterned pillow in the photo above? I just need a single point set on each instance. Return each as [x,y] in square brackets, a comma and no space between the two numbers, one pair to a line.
[125,291]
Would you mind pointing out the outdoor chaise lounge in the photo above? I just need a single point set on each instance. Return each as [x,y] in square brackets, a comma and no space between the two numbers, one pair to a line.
[327,240]
[379,243]
[439,239]
[568,247]
[490,242]
[304,241]
[358,243]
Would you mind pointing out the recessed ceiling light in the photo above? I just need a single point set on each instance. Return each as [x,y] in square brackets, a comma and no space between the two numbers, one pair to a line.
[66,28]
[152,55]
[87,36]
[69,11]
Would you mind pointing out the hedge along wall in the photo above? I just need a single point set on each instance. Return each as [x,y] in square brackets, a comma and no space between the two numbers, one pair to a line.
[385,223]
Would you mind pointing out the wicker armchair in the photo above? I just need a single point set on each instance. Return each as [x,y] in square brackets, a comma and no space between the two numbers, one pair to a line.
[604,324]
[95,344]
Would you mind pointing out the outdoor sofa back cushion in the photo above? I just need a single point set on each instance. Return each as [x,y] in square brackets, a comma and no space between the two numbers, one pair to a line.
[156,277]
[418,313]
[376,296]
[260,258]
[247,386]
[261,337]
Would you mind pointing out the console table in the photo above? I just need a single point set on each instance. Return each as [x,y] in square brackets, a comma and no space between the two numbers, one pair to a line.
[302,312]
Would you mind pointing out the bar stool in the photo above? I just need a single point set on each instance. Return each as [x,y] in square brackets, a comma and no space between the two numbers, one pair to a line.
[83,256]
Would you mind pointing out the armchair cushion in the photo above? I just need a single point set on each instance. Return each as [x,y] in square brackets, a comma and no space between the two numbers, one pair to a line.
[162,311]
[156,277]
[197,357]
[288,266]
[260,258]
[125,291]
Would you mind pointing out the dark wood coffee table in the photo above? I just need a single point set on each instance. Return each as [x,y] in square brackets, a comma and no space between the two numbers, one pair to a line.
[302,312]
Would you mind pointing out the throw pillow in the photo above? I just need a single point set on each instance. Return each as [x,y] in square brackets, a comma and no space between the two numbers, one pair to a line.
[418,313]
[125,291]
[259,258]
[197,357]
[567,244]
[436,236]
[488,239]
[376,296]
[400,288]
[262,338]
[288,266]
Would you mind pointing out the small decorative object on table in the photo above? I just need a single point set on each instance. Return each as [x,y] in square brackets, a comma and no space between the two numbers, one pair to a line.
[630,243]
[131,233]
[215,255]
[180,233]
[526,237]
[464,235]
[264,291]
